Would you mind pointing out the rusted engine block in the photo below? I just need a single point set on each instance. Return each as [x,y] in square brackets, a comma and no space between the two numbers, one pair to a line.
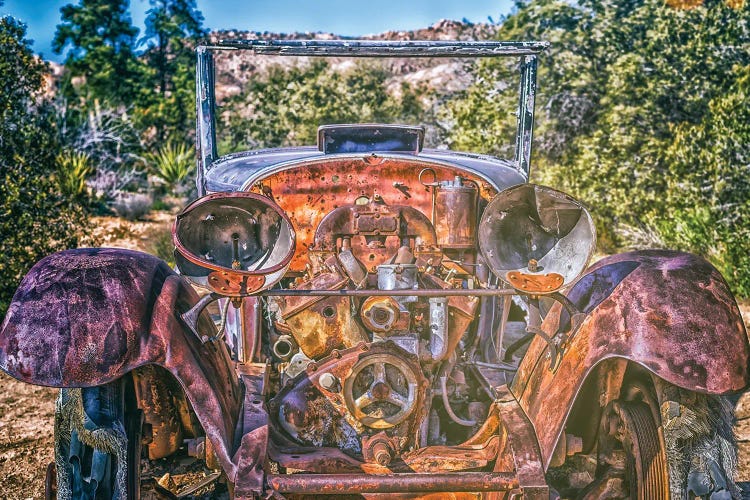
[357,371]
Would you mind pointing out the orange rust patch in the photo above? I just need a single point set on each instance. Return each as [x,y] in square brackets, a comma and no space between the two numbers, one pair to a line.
[535,283]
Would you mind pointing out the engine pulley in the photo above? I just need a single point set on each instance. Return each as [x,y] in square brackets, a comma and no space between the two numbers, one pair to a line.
[381,390]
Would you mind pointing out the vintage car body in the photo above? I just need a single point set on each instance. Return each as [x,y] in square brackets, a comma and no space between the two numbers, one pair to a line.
[367,293]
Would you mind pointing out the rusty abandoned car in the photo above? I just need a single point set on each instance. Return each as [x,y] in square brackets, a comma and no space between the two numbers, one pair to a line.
[374,319]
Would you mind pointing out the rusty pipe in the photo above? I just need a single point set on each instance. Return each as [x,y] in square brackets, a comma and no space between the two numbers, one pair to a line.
[422,292]
[347,484]
[443,375]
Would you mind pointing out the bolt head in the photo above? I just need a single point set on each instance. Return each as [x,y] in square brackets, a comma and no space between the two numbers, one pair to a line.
[329,382]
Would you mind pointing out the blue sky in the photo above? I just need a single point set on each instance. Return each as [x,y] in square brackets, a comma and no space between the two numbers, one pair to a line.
[344,17]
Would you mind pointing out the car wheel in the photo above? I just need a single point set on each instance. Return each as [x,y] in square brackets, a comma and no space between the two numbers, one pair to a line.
[98,442]
[659,442]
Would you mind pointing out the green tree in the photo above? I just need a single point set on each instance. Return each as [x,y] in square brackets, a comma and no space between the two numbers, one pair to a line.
[100,62]
[630,119]
[286,106]
[711,205]
[167,105]
[483,116]
[658,69]
[36,218]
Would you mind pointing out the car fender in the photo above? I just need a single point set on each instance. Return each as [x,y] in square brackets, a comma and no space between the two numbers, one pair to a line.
[85,317]
[670,312]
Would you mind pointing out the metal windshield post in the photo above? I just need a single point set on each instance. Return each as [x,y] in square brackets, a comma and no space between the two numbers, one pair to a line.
[525,129]
[205,115]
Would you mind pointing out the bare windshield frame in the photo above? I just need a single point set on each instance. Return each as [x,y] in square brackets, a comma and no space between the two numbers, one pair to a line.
[205,78]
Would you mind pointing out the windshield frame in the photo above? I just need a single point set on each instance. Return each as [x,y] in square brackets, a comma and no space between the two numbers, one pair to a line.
[206,84]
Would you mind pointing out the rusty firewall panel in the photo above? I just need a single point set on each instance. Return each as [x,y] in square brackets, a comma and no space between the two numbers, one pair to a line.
[308,192]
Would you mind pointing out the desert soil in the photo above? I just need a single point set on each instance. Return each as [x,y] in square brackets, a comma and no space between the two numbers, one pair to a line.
[27,412]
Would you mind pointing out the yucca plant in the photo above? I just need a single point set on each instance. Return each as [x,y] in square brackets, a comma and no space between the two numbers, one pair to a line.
[73,167]
[171,163]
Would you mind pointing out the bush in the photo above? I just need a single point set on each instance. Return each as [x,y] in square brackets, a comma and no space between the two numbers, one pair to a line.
[642,114]
[172,163]
[161,245]
[132,206]
[73,167]
[36,219]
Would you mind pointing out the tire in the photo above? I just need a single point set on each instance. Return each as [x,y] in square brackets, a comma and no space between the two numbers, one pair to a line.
[98,442]
[658,442]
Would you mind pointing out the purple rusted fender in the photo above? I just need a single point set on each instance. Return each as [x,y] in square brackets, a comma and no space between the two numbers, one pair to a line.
[85,317]
[670,312]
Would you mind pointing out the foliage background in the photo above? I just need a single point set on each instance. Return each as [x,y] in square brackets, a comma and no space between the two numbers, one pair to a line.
[39,211]
[642,113]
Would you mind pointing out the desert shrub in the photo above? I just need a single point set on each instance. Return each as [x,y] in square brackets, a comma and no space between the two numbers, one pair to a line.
[73,168]
[132,206]
[36,218]
[160,244]
[171,163]
[108,183]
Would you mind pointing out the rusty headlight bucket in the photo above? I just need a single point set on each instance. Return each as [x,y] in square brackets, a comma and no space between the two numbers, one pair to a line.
[234,244]
[536,239]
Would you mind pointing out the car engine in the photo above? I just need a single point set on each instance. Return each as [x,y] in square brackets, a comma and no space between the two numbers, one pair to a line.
[376,376]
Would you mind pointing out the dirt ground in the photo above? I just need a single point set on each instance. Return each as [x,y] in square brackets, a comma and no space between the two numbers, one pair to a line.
[27,412]
[26,427]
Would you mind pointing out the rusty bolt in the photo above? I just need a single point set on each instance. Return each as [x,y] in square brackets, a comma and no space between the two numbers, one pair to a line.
[329,382]
[381,452]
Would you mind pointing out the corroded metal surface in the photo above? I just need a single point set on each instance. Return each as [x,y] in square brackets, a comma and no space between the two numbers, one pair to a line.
[670,312]
[521,451]
[309,192]
[456,214]
[381,390]
[85,317]
[251,455]
[155,394]
[320,324]
[344,484]
[318,416]
[377,220]
[387,48]
[453,458]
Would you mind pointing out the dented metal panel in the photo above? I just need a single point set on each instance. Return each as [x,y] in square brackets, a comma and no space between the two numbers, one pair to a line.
[85,317]
[670,312]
